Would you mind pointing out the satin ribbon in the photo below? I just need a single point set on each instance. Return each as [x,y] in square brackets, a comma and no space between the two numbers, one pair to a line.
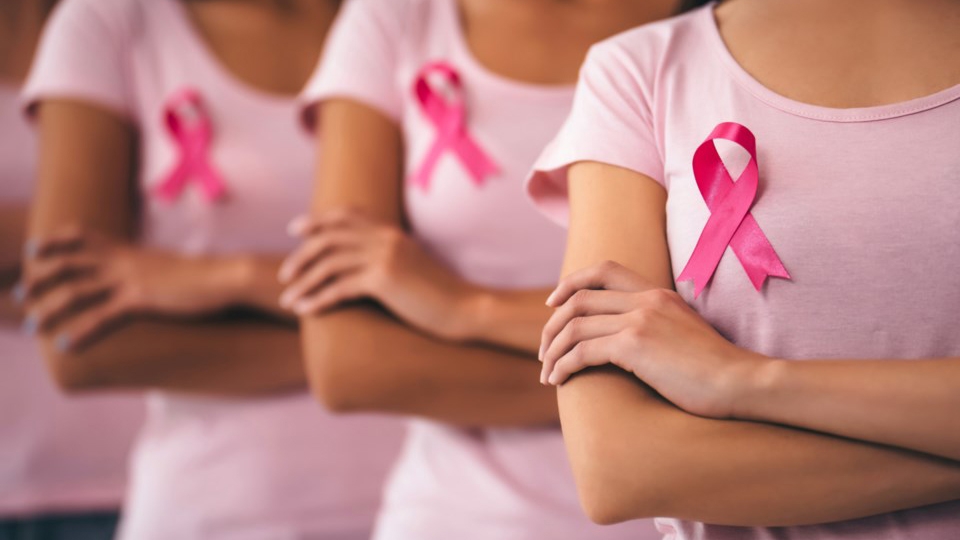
[448,116]
[731,222]
[191,129]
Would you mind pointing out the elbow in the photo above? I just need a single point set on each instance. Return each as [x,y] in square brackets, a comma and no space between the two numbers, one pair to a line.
[608,497]
[72,373]
[336,372]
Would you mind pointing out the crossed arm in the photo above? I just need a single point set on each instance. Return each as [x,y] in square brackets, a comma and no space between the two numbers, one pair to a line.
[636,455]
[410,353]
[161,334]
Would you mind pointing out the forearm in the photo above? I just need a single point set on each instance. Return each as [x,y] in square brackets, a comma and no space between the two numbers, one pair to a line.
[238,357]
[359,359]
[635,456]
[512,319]
[912,404]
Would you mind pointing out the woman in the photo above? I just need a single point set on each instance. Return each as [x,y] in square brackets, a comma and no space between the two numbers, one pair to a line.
[170,163]
[56,480]
[808,376]
[433,112]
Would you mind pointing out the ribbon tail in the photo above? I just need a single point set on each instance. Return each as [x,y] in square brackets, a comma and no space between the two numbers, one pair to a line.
[170,188]
[698,273]
[477,162]
[424,172]
[212,185]
[756,254]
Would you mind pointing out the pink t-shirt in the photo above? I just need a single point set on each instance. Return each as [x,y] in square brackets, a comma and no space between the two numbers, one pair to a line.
[508,484]
[210,468]
[859,204]
[57,454]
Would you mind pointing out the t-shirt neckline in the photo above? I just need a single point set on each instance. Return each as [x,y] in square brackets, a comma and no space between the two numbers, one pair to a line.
[710,29]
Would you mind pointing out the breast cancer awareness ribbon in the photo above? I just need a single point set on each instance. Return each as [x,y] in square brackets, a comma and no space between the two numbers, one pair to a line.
[189,125]
[448,116]
[730,222]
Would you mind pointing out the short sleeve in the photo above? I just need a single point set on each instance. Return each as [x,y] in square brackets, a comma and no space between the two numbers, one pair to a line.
[610,122]
[360,60]
[82,56]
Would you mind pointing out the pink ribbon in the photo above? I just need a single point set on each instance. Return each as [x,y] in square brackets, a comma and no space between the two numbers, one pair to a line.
[731,222]
[449,119]
[189,125]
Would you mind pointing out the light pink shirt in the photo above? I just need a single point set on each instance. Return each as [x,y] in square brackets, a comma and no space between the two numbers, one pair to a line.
[208,468]
[57,454]
[860,205]
[507,484]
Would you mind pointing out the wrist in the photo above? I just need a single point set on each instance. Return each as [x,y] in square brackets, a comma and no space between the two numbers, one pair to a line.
[756,387]
[471,310]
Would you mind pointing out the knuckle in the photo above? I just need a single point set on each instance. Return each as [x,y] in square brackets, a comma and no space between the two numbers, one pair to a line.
[608,266]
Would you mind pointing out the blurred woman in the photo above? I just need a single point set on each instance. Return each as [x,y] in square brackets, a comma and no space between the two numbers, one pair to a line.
[432,112]
[170,164]
[62,460]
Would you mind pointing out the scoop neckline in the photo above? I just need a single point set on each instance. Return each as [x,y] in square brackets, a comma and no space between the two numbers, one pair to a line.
[206,55]
[808,110]
[462,49]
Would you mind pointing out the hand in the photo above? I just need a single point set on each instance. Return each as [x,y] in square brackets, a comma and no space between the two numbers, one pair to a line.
[79,282]
[609,314]
[347,256]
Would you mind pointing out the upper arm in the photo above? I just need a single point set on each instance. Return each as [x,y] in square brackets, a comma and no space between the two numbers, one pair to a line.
[618,215]
[86,170]
[361,162]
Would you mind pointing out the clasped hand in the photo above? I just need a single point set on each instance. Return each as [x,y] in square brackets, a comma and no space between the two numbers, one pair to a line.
[607,314]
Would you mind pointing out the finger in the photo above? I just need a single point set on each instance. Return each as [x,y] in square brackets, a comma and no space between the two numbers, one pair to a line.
[63,303]
[92,323]
[68,238]
[305,225]
[349,287]
[316,247]
[594,352]
[607,275]
[320,274]
[584,303]
[44,274]
[577,330]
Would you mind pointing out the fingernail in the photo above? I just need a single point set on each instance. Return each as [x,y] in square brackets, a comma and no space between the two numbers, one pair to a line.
[300,308]
[550,299]
[30,248]
[297,225]
[62,343]
[30,325]
[286,299]
[19,293]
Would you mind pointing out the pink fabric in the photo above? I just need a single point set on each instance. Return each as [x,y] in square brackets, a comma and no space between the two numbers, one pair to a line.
[859,203]
[57,454]
[508,484]
[209,468]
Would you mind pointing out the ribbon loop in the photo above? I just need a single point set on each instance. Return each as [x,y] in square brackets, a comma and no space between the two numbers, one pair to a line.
[730,222]
[191,129]
[448,116]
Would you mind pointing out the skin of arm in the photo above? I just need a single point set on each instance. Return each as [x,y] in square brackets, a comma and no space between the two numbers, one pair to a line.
[635,455]
[357,357]
[912,404]
[86,165]
[13,220]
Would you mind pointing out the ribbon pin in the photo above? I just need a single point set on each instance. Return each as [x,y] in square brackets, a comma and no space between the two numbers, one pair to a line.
[730,222]
[449,119]
[190,127]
